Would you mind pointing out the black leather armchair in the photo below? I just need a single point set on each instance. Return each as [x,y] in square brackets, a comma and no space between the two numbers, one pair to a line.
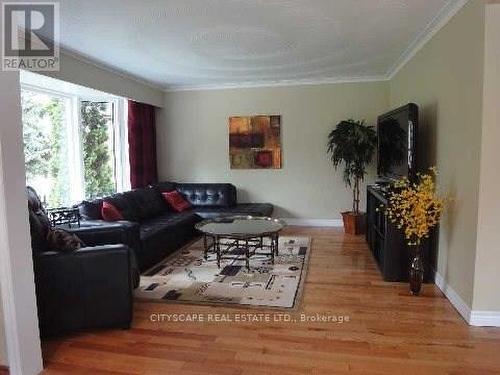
[87,288]
[100,232]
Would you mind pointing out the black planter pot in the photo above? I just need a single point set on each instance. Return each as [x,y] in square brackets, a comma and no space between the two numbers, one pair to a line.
[416,271]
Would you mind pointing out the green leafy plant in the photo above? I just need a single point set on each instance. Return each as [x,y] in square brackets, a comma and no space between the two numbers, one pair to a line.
[352,143]
[37,150]
[45,144]
[98,174]
[59,168]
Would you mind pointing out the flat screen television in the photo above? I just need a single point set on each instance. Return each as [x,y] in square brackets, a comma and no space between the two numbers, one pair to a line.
[397,143]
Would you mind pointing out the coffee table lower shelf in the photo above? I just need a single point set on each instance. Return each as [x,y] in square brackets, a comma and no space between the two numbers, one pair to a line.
[223,245]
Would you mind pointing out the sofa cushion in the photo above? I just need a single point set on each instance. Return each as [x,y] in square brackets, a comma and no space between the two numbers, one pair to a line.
[39,227]
[162,187]
[110,212]
[39,221]
[168,223]
[208,195]
[253,209]
[165,234]
[129,209]
[34,201]
[60,240]
[176,201]
[147,202]
[91,210]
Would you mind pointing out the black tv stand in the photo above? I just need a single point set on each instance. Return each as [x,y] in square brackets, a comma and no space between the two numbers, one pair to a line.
[387,242]
[383,187]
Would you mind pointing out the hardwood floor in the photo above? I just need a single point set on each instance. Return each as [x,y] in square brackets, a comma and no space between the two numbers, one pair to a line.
[388,332]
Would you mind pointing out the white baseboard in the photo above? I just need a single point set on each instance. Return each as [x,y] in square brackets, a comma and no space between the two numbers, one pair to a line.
[453,297]
[480,318]
[476,318]
[314,222]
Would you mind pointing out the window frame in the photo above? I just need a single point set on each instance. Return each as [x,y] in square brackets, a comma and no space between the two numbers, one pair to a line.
[74,138]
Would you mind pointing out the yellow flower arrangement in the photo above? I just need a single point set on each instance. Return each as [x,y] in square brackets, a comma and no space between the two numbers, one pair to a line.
[415,207]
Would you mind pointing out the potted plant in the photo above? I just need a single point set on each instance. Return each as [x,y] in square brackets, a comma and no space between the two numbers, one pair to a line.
[415,208]
[352,143]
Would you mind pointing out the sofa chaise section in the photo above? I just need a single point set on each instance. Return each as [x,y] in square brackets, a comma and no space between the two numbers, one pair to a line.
[215,200]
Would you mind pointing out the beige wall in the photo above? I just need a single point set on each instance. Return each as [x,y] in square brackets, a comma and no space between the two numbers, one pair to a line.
[193,142]
[487,277]
[90,75]
[445,80]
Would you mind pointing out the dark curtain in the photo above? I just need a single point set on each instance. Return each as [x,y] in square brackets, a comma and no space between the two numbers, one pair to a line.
[142,144]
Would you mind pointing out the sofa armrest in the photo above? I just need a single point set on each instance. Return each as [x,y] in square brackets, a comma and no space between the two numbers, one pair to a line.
[87,288]
[100,232]
[233,195]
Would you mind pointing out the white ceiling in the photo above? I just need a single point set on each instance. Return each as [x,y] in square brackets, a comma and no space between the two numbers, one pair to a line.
[207,43]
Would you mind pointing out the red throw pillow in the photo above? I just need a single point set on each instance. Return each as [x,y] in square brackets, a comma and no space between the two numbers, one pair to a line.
[110,212]
[176,201]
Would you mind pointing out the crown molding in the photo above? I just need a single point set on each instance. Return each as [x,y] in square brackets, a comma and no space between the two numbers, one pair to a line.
[279,83]
[451,8]
[107,68]
[441,19]
[446,13]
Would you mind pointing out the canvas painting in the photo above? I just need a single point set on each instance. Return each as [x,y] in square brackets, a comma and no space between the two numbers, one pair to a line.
[255,142]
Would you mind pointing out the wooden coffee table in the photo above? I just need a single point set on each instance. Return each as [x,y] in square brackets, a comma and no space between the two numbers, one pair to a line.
[240,233]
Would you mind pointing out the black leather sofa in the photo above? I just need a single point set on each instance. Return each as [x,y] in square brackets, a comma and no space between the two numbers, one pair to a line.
[87,288]
[152,229]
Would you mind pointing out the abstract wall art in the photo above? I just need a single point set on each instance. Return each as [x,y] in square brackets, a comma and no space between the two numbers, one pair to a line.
[255,142]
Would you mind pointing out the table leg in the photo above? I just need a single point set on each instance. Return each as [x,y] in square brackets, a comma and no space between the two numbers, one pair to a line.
[272,249]
[217,249]
[247,255]
[277,236]
[205,247]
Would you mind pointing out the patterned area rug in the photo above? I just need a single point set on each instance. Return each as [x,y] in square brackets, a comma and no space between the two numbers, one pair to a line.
[187,277]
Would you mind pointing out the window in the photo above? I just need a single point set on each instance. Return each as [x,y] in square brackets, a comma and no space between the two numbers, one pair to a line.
[97,135]
[75,145]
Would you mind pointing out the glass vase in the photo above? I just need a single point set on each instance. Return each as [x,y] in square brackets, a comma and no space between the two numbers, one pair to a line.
[416,270]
